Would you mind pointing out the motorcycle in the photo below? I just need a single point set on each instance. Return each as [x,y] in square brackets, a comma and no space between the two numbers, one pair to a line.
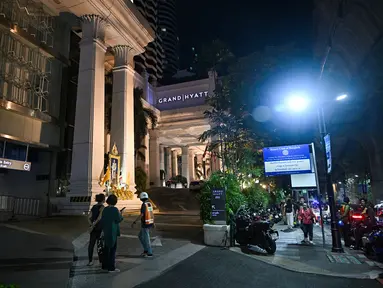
[373,243]
[254,233]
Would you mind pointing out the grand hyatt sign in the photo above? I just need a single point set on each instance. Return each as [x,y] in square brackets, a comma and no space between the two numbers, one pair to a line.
[182,97]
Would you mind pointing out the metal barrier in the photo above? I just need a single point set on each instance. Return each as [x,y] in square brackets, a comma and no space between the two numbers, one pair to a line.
[17,206]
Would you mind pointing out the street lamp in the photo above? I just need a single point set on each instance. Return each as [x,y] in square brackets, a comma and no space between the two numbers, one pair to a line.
[336,240]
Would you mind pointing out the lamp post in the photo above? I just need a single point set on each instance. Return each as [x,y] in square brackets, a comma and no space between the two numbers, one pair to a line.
[298,104]
[335,234]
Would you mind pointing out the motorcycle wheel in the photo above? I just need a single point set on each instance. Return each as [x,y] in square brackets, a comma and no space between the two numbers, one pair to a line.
[272,246]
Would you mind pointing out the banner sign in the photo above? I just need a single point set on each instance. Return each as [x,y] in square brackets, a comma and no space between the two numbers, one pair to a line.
[327,142]
[294,159]
[218,205]
[15,165]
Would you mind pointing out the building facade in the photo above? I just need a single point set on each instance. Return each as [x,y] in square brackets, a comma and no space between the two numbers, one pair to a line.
[152,60]
[53,60]
[168,24]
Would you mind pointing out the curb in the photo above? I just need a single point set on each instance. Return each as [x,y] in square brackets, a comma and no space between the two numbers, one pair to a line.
[295,266]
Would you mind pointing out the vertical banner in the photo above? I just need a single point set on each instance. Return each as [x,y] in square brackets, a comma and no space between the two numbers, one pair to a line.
[327,142]
[218,205]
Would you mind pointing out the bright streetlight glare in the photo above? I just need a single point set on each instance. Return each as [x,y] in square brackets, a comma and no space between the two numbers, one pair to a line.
[341,97]
[297,103]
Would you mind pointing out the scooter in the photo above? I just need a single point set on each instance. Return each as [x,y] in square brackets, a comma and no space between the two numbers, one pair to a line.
[254,233]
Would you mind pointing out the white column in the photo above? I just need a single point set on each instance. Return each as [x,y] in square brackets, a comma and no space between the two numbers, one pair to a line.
[162,158]
[168,163]
[122,126]
[154,154]
[174,163]
[191,165]
[89,133]
[185,163]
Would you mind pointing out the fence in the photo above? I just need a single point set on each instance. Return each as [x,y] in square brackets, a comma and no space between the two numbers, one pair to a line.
[17,206]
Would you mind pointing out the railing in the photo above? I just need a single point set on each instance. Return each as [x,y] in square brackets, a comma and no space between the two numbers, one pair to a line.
[17,206]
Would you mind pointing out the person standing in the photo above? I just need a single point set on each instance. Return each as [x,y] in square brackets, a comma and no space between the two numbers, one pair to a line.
[283,212]
[111,219]
[147,222]
[289,208]
[95,228]
[345,216]
[307,217]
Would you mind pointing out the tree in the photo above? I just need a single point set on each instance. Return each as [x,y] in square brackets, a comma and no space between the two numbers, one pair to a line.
[234,128]
[142,118]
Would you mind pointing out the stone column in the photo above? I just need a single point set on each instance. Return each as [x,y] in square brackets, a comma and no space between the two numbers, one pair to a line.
[185,163]
[89,133]
[122,126]
[154,154]
[174,163]
[191,165]
[162,161]
[168,152]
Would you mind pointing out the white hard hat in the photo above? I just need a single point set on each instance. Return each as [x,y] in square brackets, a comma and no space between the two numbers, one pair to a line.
[144,195]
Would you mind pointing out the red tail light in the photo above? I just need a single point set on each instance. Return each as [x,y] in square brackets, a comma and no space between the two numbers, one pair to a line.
[357,217]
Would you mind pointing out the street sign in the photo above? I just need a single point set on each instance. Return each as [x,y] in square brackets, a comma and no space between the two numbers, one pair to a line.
[327,142]
[15,165]
[218,205]
[294,159]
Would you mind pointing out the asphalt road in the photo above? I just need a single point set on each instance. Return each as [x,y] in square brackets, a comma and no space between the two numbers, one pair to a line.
[34,260]
[213,267]
[169,226]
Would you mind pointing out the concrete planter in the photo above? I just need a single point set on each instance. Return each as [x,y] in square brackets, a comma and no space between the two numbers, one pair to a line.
[179,186]
[215,234]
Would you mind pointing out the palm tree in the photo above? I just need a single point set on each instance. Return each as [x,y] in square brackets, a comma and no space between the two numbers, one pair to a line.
[142,116]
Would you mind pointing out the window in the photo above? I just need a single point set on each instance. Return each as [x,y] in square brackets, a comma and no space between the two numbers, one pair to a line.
[15,151]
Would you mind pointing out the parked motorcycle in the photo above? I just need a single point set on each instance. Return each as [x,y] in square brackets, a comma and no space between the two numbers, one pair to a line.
[373,243]
[254,232]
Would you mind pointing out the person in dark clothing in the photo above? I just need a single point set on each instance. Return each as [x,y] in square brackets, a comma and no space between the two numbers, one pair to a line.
[95,225]
[111,219]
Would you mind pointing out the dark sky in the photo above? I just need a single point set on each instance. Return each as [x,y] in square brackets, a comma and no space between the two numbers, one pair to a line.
[245,25]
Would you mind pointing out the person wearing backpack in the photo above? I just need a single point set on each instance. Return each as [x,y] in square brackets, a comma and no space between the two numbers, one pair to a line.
[289,209]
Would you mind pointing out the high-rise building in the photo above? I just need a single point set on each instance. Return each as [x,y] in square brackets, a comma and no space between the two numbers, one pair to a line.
[152,59]
[168,25]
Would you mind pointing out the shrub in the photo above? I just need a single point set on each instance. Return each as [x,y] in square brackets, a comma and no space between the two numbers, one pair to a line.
[141,179]
[257,197]
[179,179]
[234,197]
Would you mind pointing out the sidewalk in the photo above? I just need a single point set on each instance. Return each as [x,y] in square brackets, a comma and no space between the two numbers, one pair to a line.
[294,256]
[134,269]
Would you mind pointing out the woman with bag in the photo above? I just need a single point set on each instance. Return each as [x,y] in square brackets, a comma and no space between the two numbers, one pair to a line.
[307,218]
[95,228]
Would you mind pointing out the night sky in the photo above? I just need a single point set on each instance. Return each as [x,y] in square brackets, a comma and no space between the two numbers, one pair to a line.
[245,25]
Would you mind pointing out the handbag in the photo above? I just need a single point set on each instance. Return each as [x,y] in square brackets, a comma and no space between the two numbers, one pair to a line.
[101,247]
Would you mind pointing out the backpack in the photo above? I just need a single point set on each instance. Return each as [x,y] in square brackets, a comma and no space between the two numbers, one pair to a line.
[289,208]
